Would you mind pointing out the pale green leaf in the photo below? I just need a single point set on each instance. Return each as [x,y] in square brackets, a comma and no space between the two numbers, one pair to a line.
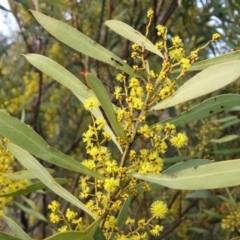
[30,163]
[225,119]
[185,165]
[210,176]
[74,235]
[80,42]
[214,61]
[31,212]
[25,174]
[225,139]
[206,108]
[67,79]
[105,101]
[8,237]
[207,81]
[16,229]
[133,35]
[28,139]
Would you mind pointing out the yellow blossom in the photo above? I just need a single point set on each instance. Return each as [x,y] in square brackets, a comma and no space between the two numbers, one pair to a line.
[111,184]
[54,218]
[159,209]
[177,54]
[110,222]
[70,215]
[185,63]
[160,30]
[216,37]
[117,92]
[177,42]
[179,141]
[90,103]
[150,13]
[63,229]
[54,206]
[156,230]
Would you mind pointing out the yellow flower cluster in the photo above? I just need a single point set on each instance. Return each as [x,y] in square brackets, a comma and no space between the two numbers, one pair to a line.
[8,185]
[70,219]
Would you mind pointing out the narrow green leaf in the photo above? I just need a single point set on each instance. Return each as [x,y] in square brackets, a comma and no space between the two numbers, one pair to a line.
[31,212]
[8,237]
[185,165]
[225,119]
[105,101]
[25,174]
[122,216]
[225,139]
[133,35]
[207,81]
[86,235]
[213,214]
[30,163]
[124,212]
[206,108]
[33,188]
[80,42]
[26,138]
[16,228]
[210,176]
[63,76]
[227,151]
[230,123]
[214,61]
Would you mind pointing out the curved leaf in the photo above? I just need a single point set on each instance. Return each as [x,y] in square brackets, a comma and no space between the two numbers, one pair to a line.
[80,42]
[63,76]
[28,139]
[185,165]
[8,237]
[225,139]
[206,108]
[214,61]
[207,81]
[29,162]
[133,35]
[215,175]
[103,97]
[18,231]
[73,235]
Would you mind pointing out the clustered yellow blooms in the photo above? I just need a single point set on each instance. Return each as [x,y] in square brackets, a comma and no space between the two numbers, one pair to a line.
[70,220]
[232,220]
[134,97]
[8,185]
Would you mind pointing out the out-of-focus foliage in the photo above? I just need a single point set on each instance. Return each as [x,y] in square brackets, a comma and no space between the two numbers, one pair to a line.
[54,113]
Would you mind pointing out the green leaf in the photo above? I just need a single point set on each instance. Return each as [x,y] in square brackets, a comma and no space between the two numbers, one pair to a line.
[207,81]
[209,176]
[230,123]
[212,214]
[227,151]
[225,139]
[225,119]
[30,163]
[33,188]
[185,165]
[25,174]
[26,138]
[206,108]
[80,42]
[105,101]
[16,228]
[214,61]
[63,76]
[31,212]
[73,235]
[133,35]
[8,237]
[200,194]
[122,216]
